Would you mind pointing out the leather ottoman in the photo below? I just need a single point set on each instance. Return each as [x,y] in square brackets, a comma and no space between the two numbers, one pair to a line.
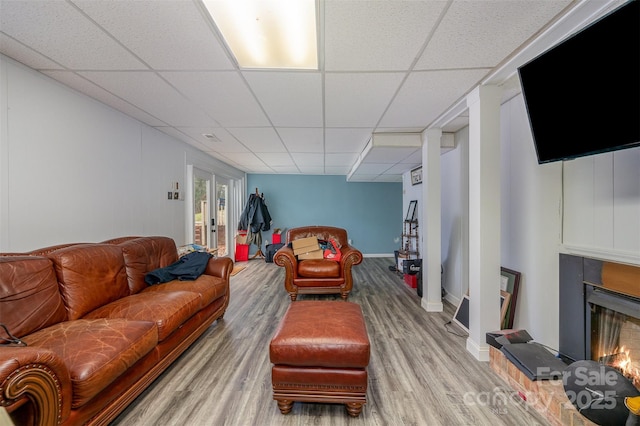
[320,353]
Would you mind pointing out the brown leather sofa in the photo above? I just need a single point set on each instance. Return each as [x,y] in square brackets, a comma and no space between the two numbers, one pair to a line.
[96,334]
[318,276]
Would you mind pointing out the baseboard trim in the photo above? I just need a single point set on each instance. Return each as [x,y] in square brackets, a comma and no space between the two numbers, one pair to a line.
[481,353]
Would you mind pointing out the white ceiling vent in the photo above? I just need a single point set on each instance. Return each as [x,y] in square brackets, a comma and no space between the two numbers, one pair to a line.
[211,137]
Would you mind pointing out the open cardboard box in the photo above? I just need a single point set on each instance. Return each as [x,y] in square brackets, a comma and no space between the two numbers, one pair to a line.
[315,254]
[305,245]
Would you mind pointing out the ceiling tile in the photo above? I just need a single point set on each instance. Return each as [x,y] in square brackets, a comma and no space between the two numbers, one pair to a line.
[225,143]
[224,96]
[425,95]
[289,98]
[30,58]
[308,159]
[149,92]
[87,87]
[358,100]
[259,139]
[172,36]
[246,158]
[340,159]
[346,140]
[377,35]
[464,40]
[64,35]
[302,139]
[311,170]
[273,159]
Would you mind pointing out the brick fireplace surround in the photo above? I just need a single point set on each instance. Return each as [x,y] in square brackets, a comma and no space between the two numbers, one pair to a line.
[548,396]
[545,396]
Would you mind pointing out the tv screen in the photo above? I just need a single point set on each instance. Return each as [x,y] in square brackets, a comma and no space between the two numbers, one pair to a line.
[583,95]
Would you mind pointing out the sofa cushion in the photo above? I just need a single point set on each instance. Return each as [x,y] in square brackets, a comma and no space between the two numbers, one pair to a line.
[29,296]
[96,352]
[90,276]
[144,254]
[208,287]
[168,310]
[318,268]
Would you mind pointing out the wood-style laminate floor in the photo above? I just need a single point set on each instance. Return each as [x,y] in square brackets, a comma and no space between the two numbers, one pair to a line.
[419,374]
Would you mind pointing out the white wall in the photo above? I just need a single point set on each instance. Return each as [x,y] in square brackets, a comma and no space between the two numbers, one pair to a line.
[455,218]
[602,211]
[590,204]
[73,169]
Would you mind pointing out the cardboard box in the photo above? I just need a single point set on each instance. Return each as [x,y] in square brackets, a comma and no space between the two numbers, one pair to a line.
[305,245]
[241,238]
[316,254]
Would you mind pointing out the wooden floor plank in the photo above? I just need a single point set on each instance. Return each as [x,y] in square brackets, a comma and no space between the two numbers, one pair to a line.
[419,374]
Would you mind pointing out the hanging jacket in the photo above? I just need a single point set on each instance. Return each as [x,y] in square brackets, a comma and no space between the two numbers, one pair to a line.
[255,216]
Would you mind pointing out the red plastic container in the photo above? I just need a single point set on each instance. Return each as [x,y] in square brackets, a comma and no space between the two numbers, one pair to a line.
[411,280]
[242,252]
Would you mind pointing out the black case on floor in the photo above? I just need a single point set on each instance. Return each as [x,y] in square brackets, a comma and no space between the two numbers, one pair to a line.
[271,250]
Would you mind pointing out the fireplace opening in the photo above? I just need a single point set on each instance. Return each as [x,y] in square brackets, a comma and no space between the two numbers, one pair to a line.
[615,331]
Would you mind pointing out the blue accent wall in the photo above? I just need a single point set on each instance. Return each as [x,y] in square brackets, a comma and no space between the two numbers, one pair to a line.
[370,212]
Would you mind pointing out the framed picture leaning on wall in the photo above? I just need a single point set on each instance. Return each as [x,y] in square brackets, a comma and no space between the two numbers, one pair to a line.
[509,283]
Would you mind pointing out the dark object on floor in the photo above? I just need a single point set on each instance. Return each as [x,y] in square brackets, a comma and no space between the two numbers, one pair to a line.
[500,337]
[270,250]
[598,392]
[393,268]
[411,266]
[534,360]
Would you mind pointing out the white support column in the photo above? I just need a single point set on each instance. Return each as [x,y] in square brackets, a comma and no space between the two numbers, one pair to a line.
[484,217]
[431,217]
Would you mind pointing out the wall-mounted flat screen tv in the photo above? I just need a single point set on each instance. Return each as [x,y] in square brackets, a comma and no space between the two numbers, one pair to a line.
[583,95]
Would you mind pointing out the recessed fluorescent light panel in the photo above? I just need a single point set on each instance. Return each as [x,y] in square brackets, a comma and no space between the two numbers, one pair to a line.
[268,33]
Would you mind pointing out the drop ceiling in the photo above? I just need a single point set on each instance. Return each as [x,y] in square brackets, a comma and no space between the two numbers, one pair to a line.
[393,66]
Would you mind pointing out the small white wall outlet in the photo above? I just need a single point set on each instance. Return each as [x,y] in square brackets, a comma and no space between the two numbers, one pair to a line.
[350,241]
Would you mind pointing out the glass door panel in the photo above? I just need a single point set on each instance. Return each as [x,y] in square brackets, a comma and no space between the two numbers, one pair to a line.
[221,223]
[201,208]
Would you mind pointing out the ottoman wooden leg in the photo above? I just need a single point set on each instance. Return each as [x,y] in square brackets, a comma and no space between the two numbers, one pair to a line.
[285,406]
[354,408]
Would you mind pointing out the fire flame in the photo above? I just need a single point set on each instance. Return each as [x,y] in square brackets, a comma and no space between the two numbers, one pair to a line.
[621,360]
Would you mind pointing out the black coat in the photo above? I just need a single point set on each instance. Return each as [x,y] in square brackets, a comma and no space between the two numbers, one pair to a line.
[255,215]
[187,268]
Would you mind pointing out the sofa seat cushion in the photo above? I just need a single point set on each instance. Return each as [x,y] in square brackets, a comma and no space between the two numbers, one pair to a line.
[96,352]
[167,309]
[208,287]
[319,268]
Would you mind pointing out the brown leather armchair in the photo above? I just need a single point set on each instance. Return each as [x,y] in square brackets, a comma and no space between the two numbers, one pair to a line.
[318,276]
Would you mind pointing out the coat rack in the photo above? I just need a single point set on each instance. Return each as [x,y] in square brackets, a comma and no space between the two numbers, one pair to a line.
[259,253]
[255,218]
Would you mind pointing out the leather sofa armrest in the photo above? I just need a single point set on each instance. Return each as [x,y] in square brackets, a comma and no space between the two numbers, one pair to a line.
[36,376]
[220,267]
[350,255]
[285,257]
